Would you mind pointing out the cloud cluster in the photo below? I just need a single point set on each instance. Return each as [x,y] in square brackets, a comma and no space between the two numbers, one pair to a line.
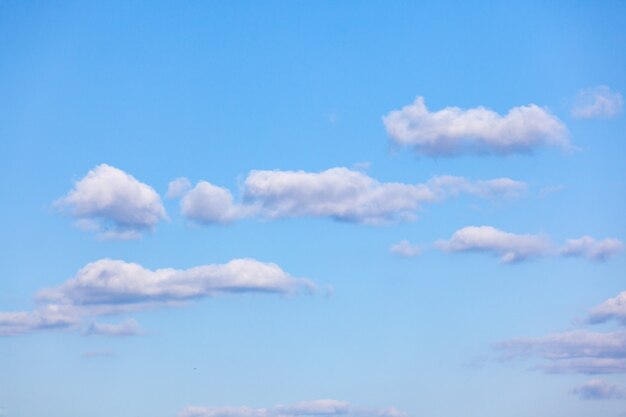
[324,407]
[597,102]
[455,131]
[113,203]
[579,351]
[511,247]
[599,389]
[113,287]
[338,193]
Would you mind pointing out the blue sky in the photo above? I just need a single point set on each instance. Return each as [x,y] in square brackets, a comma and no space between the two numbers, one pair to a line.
[378,209]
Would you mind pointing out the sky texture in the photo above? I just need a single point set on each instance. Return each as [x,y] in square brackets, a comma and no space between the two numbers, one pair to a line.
[297,209]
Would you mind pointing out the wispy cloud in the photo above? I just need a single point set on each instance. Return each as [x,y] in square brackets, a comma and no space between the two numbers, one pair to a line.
[128,327]
[599,389]
[406,249]
[512,247]
[597,102]
[338,193]
[455,131]
[325,407]
[113,204]
[114,287]
[98,354]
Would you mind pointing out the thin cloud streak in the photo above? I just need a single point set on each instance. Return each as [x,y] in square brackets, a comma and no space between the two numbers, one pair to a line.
[324,407]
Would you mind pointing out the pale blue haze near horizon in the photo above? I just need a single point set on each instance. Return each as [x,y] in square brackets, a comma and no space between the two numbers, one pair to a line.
[214,90]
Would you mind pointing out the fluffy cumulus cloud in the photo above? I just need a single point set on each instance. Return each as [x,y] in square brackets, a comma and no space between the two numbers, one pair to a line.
[455,131]
[599,389]
[338,193]
[406,249]
[324,407]
[207,203]
[113,203]
[578,351]
[597,102]
[111,286]
[590,248]
[512,247]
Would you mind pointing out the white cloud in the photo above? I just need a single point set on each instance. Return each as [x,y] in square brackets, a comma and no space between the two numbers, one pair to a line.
[573,352]
[113,203]
[592,249]
[110,286]
[599,389]
[612,309]
[597,102]
[325,407]
[128,327]
[406,249]
[509,247]
[338,193]
[455,131]
[178,187]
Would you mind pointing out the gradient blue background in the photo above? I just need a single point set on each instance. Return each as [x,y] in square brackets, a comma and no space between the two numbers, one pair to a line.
[212,90]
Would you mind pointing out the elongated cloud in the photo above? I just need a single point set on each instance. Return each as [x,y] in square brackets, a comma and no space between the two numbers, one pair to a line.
[583,352]
[113,204]
[114,282]
[325,407]
[338,193]
[455,131]
[509,247]
[599,389]
[43,318]
[597,102]
[590,248]
[512,247]
[114,287]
